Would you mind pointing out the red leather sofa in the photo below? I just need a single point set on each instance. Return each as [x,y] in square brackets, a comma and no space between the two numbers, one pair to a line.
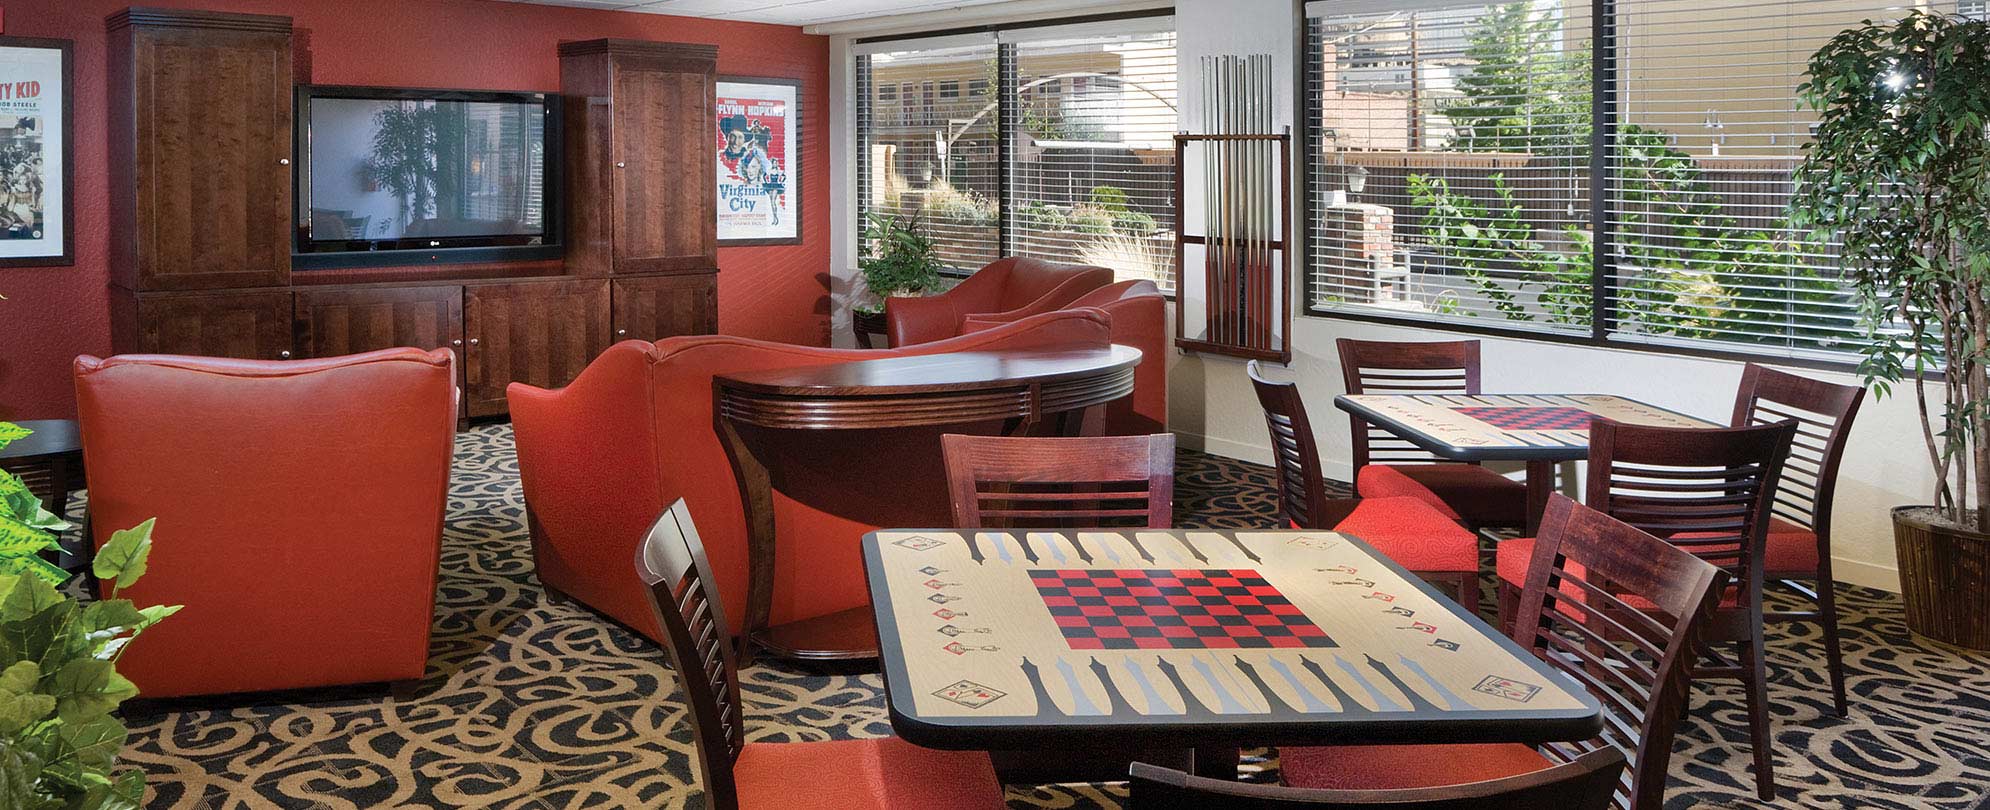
[1003,286]
[1139,314]
[602,457]
[300,509]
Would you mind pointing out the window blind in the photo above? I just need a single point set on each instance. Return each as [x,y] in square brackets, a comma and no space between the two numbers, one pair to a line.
[926,126]
[1710,132]
[1450,162]
[1054,142]
[1092,160]
[1452,178]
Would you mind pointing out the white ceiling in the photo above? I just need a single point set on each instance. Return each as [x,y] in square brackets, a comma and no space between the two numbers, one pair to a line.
[785,12]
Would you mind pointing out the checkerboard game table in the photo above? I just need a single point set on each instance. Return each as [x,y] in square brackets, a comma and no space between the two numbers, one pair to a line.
[1086,639]
[1538,429]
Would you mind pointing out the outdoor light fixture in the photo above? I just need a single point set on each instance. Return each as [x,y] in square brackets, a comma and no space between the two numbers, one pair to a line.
[1357,180]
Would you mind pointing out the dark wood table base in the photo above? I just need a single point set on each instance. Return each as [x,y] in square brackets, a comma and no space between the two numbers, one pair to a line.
[1062,391]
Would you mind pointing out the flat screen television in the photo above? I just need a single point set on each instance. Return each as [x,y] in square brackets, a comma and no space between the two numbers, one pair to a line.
[411,176]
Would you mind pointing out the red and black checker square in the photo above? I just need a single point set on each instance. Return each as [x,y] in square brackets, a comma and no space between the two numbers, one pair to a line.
[1179,609]
[1536,418]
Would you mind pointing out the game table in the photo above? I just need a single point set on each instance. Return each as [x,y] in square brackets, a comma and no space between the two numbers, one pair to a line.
[1541,430]
[1083,639]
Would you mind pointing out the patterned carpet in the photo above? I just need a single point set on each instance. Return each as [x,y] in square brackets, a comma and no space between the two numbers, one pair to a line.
[531,705]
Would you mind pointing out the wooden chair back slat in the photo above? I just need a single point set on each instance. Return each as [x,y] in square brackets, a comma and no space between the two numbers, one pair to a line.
[1715,486]
[1584,783]
[1389,367]
[1011,482]
[671,561]
[1823,412]
[1302,486]
[1633,658]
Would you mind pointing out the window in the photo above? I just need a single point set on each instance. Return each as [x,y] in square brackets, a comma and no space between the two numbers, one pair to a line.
[1093,178]
[938,164]
[1453,177]
[1061,148]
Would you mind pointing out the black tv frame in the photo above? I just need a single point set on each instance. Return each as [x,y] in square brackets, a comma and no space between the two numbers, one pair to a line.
[450,250]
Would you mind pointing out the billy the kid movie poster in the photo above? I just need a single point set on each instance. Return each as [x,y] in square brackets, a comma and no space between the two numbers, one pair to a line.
[31,153]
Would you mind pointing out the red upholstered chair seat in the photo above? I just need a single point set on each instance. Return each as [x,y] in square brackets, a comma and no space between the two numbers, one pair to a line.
[1792,549]
[1466,492]
[846,774]
[1414,534]
[1396,767]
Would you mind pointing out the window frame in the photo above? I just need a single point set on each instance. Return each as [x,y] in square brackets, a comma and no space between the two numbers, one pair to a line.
[1605,116]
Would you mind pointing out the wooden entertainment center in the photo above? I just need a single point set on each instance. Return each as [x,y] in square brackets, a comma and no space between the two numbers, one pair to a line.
[202,215]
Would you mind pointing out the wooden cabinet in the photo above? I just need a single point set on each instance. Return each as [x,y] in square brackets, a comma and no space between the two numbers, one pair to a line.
[251,326]
[201,213]
[640,156]
[541,333]
[657,307]
[201,191]
[332,322]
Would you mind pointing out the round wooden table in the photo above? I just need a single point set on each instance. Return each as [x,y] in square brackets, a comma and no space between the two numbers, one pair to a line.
[1027,391]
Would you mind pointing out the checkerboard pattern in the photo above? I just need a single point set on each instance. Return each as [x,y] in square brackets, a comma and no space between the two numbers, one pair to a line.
[1544,418]
[1179,609]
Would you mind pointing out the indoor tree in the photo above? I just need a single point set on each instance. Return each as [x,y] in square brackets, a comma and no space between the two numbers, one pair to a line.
[1899,173]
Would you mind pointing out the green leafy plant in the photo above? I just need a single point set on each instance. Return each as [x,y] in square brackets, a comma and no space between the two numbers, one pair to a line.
[59,684]
[900,259]
[1899,171]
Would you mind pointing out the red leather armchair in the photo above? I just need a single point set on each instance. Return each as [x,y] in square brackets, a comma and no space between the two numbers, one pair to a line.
[602,457]
[1139,314]
[1005,285]
[300,510]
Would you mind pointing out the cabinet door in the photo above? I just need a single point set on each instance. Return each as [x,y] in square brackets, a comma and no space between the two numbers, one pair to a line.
[212,173]
[250,326]
[336,322]
[657,307]
[664,164]
[536,332]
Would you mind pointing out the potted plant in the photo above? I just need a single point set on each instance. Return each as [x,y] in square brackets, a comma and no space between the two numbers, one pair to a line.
[900,259]
[1899,173]
[59,686]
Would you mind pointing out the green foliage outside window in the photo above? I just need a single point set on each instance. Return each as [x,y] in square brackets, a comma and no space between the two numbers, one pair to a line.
[1691,270]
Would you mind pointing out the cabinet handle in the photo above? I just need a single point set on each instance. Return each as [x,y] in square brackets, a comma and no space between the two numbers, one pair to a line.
[285,354]
[283,161]
[621,165]
[456,342]
[473,341]
[621,332]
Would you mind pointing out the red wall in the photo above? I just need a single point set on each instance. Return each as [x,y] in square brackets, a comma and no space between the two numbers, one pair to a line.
[55,313]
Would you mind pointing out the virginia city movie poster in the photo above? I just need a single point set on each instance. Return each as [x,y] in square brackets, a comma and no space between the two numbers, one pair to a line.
[758,198]
[32,95]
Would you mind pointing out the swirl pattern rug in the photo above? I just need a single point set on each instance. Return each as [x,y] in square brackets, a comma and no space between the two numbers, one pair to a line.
[535,706]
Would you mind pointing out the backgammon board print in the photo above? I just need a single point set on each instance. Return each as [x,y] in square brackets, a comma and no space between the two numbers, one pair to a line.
[1512,426]
[1273,636]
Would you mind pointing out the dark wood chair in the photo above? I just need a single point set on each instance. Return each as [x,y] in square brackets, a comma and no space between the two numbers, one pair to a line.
[1015,482]
[870,773]
[1709,492]
[1408,530]
[1389,466]
[1799,545]
[1585,784]
[1630,644]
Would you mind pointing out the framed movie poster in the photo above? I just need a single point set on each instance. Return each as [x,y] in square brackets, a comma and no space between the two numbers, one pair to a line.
[759,179]
[34,152]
